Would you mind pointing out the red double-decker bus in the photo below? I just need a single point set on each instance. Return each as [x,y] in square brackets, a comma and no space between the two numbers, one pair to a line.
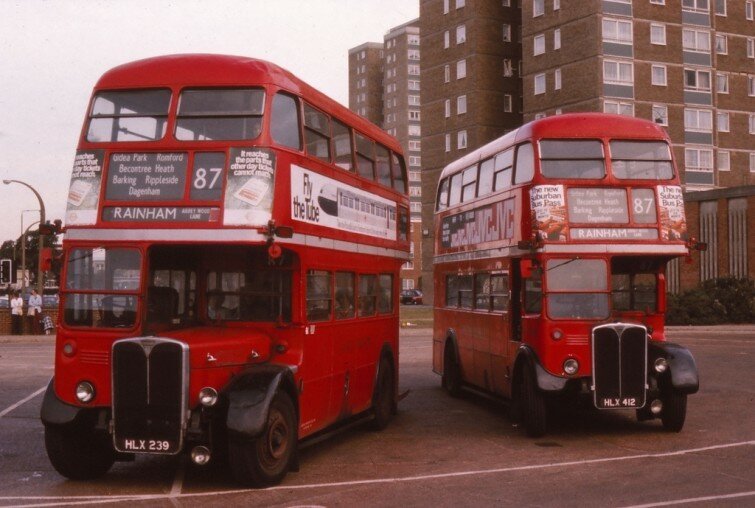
[231,270]
[550,255]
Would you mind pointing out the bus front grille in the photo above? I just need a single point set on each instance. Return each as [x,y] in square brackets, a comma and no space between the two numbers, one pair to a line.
[150,386]
[619,365]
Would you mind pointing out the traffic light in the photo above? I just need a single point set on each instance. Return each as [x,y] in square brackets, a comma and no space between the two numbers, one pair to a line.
[45,259]
[6,270]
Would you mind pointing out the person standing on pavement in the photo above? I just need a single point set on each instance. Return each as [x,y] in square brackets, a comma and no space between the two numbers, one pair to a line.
[16,312]
[35,311]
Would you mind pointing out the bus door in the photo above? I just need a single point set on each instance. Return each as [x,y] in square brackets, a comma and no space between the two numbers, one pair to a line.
[530,293]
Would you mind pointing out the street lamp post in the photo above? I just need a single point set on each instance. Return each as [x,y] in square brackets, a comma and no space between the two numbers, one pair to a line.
[40,282]
[24,232]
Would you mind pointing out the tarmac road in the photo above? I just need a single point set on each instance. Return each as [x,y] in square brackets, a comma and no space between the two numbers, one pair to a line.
[438,451]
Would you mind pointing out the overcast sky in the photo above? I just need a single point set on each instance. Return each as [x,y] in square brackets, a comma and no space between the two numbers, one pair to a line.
[53,51]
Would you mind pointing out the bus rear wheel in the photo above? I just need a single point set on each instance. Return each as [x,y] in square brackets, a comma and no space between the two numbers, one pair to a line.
[383,400]
[78,454]
[532,405]
[451,378]
[674,410]
[265,460]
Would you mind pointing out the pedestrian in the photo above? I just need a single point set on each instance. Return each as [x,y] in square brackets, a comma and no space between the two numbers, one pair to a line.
[35,311]
[16,312]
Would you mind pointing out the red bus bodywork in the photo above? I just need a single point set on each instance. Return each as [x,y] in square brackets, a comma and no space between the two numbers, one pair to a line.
[249,222]
[594,193]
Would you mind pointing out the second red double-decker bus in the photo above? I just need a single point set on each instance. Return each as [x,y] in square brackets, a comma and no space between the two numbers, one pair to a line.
[550,256]
[231,262]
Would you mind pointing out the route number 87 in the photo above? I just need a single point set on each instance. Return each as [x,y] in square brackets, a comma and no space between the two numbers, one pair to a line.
[204,181]
[642,205]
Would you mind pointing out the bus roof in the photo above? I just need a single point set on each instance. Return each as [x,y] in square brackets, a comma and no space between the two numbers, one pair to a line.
[212,70]
[569,125]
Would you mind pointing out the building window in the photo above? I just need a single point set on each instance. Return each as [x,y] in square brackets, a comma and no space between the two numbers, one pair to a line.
[752,162]
[695,5]
[461,34]
[461,69]
[696,40]
[556,5]
[658,2]
[658,75]
[415,160]
[461,140]
[722,121]
[538,47]
[415,176]
[415,145]
[749,10]
[508,68]
[722,83]
[557,79]
[660,114]
[752,123]
[720,7]
[557,38]
[506,3]
[460,4]
[413,54]
[723,160]
[750,48]
[618,31]
[446,39]
[412,40]
[448,142]
[506,32]
[539,84]
[413,70]
[751,86]
[617,72]
[507,103]
[698,120]
[447,73]
[697,80]
[445,6]
[448,108]
[698,159]
[658,34]
[722,47]
[540,116]
[618,107]
[461,104]
[414,114]
[538,8]
[414,130]
[413,84]
[413,100]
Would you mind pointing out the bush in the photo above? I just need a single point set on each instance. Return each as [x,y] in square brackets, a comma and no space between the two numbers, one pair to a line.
[714,301]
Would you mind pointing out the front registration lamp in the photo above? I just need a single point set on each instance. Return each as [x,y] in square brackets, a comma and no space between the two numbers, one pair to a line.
[85,391]
[571,366]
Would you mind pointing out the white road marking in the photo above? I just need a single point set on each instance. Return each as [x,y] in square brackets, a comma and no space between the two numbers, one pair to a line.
[84,500]
[27,399]
[695,500]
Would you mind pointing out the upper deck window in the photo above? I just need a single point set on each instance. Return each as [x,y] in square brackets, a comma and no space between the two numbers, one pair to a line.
[581,159]
[317,133]
[220,114]
[641,160]
[140,115]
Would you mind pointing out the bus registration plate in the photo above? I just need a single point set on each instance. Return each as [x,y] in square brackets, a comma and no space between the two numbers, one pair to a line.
[618,402]
[139,445]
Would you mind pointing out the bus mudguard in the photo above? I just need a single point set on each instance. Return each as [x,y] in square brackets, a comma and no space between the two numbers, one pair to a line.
[250,394]
[546,381]
[56,412]
[681,365]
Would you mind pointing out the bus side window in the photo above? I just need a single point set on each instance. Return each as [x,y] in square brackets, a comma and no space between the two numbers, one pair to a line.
[485,181]
[318,295]
[455,192]
[385,297]
[317,133]
[525,164]
[367,295]
[365,156]
[342,143]
[504,167]
[383,165]
[284,123]
[399,172]
[468,184]
[344,295]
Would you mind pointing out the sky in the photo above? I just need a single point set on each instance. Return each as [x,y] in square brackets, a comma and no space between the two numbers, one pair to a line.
[53,51]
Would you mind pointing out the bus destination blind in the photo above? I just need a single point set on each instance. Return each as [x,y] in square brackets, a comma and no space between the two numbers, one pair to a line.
[146,176]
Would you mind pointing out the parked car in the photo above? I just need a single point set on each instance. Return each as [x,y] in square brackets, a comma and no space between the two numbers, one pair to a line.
[411,297]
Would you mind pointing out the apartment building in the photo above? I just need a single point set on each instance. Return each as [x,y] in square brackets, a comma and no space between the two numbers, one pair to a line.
[471,55]
[396,107]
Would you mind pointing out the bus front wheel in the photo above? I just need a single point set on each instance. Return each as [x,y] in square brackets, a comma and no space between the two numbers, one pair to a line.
[78,454]
[674,410]
[531,404]
[265,460]
[451,378]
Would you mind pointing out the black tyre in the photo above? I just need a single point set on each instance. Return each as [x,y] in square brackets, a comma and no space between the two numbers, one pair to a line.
[532,405]
[384,394]
[451,379]
[674,410]
[78,454]
[265,460]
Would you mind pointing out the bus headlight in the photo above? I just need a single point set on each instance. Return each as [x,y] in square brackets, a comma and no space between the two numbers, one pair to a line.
[660,365]
[571,366]
[208,396]
[85,391]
